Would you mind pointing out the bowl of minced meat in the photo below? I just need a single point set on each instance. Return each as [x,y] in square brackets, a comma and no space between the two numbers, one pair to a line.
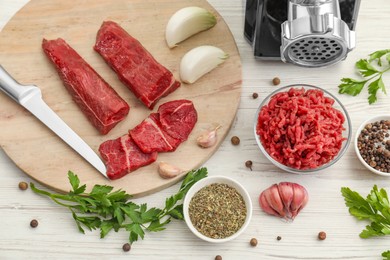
[302,128]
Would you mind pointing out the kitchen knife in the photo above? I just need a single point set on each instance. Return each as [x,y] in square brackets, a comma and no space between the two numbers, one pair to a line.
[30,97]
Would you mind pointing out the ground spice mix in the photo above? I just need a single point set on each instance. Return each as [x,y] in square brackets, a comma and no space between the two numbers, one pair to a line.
[217,211]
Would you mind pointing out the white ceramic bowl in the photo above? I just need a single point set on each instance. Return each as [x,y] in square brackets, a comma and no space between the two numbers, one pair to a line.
[223,180]
[361,127]
[347,133]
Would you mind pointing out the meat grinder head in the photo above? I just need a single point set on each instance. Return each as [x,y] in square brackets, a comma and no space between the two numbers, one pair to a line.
[308,33]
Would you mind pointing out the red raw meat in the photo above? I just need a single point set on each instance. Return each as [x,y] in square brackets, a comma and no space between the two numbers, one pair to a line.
[178,118]
[301,129]
[123,156]
[165,130]
[96,98]
[134,65]
[150,137]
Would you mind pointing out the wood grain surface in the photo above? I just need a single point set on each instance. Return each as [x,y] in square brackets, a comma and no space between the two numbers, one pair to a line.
[41,154]
[57,236]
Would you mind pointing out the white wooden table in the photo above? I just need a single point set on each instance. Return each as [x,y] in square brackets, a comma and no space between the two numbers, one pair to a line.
[57,237]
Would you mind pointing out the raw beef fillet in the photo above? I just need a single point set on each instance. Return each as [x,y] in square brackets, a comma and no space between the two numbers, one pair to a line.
[134,65]
[96,98]
[150,136]
[165,130]
[178,118]
[123,156]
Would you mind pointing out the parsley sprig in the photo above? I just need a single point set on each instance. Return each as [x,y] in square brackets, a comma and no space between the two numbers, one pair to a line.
[108,210]
[371,70]
[375,208]
[386,255]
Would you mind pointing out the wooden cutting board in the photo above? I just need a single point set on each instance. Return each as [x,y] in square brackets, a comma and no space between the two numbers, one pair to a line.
[41,154]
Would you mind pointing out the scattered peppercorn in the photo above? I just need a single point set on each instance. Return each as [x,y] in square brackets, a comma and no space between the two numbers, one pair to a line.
[374,145]
[218,257]
[249,164]
[126,247]
[235,140]
[276,81]
[322,235]
[278,238]
[34,223]
[23,185]
[253,242]
[255,95]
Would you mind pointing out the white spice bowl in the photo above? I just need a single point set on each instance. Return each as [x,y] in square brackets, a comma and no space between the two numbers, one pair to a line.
[359,130]
[220,180]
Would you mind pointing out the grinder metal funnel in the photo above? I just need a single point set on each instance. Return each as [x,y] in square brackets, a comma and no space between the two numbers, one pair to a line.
[309,33]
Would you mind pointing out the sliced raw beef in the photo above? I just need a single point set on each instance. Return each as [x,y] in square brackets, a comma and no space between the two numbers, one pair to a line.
[150,137]
[123,156]
[165,130]
[178,118]
[95,97]
[134,65]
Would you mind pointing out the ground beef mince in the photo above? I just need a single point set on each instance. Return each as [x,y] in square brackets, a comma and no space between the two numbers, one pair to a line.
[300,128]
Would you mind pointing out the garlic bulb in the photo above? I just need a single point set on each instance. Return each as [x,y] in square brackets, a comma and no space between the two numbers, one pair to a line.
[284,200]
[208,138]
[168,171]
[200,61]
[187,22]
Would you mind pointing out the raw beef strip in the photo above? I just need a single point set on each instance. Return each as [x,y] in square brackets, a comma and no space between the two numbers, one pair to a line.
[150,137]
[165,130]
[178,118]
[123,156]
[96,98]
[134,65]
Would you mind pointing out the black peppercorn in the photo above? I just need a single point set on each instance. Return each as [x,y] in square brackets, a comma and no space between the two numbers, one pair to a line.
[374,147]
[278,238]
[126,247]
[218,257]
[255,95]
[34,223]
[249,164]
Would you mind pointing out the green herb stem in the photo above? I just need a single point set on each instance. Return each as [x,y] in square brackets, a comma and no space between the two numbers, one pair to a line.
[375,208]
[108,210]
[370,74]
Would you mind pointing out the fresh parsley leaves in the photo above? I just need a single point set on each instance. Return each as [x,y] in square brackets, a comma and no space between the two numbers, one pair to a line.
[371,70]
[375,208]
[108,210]
[386,255]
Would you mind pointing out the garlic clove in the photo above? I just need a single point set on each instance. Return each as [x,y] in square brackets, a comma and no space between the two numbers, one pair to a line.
[208,138]
[286,193]
[168,171]
[299,201]
[265,206]
[187,22]
[274,200]
[199,61]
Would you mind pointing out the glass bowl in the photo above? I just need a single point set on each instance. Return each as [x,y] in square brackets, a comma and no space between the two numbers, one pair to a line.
[337,105]
[358,131]
[208,181]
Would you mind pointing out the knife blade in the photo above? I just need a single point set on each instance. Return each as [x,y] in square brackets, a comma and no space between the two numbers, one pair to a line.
[30,97]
